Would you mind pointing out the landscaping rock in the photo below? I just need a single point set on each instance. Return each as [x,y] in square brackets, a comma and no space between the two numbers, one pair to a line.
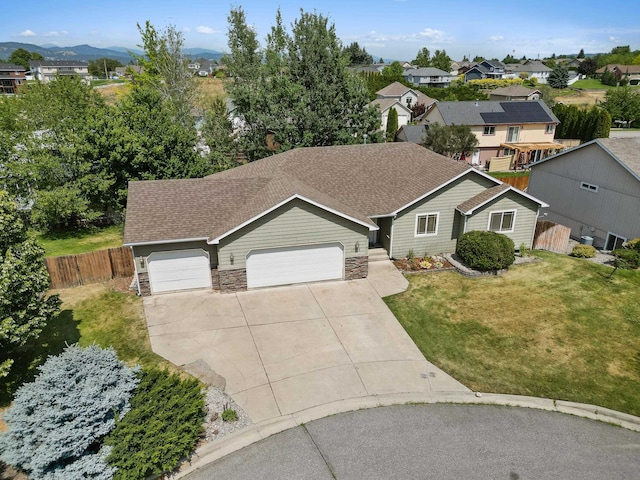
[215,427]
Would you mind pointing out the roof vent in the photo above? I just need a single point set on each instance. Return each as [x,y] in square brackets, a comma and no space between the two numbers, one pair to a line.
[476,102]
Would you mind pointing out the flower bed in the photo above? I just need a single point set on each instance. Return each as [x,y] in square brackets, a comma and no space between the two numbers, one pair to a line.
[423,264]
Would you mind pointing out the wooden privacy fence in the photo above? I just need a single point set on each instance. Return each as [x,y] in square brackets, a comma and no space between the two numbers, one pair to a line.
[551,236]
[521,183]
[92,267]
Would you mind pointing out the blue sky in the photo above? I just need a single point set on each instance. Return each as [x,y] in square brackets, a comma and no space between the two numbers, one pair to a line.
[392,29]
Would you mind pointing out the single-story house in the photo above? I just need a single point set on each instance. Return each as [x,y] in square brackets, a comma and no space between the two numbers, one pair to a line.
[310,214]
[594,189]
[533,69]
[631,72]
[515,92]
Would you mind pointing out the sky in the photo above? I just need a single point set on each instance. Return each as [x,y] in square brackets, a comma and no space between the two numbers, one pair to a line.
[388,29]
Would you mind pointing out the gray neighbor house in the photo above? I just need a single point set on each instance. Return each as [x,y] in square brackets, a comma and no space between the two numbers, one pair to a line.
[311,214]
[594,189]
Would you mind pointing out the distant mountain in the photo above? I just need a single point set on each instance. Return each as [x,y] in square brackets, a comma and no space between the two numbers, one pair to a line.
[78,52]
[87,52]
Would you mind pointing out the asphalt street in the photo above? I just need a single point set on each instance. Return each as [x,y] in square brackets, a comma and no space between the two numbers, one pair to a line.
[441,441]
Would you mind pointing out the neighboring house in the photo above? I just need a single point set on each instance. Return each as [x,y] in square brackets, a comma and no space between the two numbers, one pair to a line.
[11,77]
[493,69]
[533,69]
[514,92]
[621,71]
[46,70]
[522,129]
[310,214]
[594,189]
[428,77]
[127,70]
[402,98]
[412,133]
[201,67]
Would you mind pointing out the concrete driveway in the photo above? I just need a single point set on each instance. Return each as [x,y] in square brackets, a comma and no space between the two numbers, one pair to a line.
[284,350]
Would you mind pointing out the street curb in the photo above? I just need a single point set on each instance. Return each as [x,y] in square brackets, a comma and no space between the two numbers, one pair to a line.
[254,433]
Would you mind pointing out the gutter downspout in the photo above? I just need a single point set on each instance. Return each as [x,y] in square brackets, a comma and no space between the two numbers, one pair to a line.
[391,236]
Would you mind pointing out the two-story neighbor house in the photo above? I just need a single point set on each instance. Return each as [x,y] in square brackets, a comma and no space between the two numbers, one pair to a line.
[594,189]
[47,70]
[533,69]
[402,98]
[493,69]
[523,130]
[11,77]
[428,77]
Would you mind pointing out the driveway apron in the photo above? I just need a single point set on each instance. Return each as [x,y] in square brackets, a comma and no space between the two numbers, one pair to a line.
[284,350]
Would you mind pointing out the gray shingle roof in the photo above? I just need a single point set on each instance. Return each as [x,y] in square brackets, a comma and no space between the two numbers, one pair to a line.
[412,133]
[514,91]
[425,72]
[481,198]
[626,150]
[494,112]
[359,181]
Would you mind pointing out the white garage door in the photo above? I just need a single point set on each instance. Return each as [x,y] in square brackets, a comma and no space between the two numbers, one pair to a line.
[178,270]
[287,265]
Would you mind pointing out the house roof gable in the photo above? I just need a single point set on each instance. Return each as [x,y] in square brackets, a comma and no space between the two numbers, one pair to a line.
[486,196]
[622,150]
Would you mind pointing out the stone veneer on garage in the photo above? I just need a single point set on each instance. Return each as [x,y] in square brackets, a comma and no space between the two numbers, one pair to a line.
[356,267]
[230,281]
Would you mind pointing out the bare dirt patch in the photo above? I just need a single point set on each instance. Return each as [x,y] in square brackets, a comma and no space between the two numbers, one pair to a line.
[113,93]
[584,98]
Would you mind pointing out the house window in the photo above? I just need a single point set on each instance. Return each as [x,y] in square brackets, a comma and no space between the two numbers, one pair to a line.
[489,130]
[588,186]
[426,224]
[549,128]
[512,134]
[502,221]
[614,241]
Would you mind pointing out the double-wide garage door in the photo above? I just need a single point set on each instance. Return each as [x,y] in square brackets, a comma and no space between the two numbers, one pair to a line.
[178,270]
[287,265]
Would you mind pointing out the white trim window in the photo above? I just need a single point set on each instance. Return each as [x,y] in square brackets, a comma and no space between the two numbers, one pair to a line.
[489,130]
[502,222]
[589,187]
[426,224]
[513,134]
[549,128]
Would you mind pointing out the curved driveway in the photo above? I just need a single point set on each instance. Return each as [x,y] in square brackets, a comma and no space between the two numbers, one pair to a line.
[440,442]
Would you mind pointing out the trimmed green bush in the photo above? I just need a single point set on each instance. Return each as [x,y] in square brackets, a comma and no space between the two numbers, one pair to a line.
[163,426]
[583,251]
[633,244]
[626,258]
[486,251]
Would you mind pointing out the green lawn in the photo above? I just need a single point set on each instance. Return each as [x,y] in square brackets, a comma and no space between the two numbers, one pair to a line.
[593,84]
[81,241]
[97,83]
[90,314]
[557,328]
[509,174]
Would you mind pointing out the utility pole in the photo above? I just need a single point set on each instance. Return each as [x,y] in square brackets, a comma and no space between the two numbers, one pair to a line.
[106,74]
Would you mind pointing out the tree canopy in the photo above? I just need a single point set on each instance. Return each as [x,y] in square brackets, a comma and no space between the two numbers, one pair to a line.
[451,140]
[24,308]
[20,56]
[558,77]
[357,55]
[439,60]
[298,89]
[623,104]
[101,66]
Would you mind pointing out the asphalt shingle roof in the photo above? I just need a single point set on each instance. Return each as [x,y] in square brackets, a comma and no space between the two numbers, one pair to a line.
[481,198]
[626,150]
[359,181]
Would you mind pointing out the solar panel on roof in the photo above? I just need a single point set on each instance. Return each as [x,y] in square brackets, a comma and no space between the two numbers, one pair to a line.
[518,112]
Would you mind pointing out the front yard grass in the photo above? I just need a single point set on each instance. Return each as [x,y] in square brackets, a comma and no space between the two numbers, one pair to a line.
[80,241]
[89,314]
[557,328]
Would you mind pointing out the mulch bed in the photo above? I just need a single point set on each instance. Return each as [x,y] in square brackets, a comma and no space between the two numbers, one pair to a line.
[423,264]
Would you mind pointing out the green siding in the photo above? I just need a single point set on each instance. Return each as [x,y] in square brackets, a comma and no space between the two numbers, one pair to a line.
[296,223]
[526,215]
[145,250]
[443,202]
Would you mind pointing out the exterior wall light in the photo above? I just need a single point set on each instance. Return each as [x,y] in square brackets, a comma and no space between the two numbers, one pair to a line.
[231,258]
[141,262]
[357,246]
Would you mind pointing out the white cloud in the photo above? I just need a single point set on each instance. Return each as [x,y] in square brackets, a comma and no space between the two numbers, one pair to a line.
[27,33]
[207,30]
[61,33]
[496,38]
[431,34]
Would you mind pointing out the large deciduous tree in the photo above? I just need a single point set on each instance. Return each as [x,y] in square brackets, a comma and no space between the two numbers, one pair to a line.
[441,60]
[623,104]
[24,308]
[20,56]
[588,67]
[298,88]
[102,66]
[451,140]
[423,58]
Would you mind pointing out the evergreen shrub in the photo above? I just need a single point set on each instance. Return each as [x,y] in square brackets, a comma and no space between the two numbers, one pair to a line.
[486,251]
